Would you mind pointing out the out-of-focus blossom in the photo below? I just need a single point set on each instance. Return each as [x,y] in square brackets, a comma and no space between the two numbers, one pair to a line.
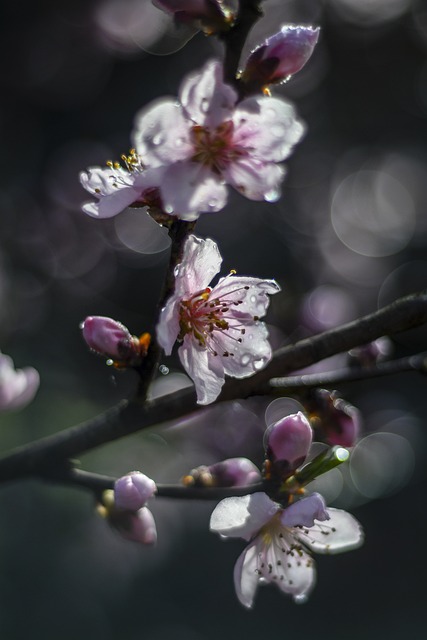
[133,490]
[113,340]
[287,442]
[280,56]
[335,420]
[233,472]
[117,187]
[17,386]
[369,354]
[208,140]
[280,541]
[219,328]
[212,16]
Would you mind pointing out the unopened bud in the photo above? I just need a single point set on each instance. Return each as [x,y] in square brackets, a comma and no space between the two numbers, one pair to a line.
[112,339]
[136,525]
[369,354]
[212,16]
[335,421]
[288,440]
[132,491]
[233,472]
[280,57]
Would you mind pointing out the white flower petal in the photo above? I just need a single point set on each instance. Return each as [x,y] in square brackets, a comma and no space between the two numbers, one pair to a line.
[246,578]
[205,97]
[201,262]
[267,127]
[162,133]
[342,532]
[283,562]
[189,188]
[248,295]
[242,517]
[17,386]
[168,326]
[255,179]
[249,356]
[304,512]
[203,368]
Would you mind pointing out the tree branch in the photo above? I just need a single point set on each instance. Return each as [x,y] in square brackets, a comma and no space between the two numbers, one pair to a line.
[131,416]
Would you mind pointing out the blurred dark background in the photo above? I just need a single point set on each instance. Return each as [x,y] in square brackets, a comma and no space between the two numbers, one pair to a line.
[348,236]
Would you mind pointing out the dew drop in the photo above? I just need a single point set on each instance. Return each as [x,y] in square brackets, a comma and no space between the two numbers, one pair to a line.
[110,362]
[258,364]
[253,299]
[272,196]
[300,598]
[158,139]
[245,359]
[164,370]
[204,107]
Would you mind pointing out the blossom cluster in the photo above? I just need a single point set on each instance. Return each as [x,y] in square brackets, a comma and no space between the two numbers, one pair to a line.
[185,153]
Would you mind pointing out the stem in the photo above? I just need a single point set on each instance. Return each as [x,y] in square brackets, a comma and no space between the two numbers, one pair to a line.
[416,363]
[234,40]
[99,483]
[178,233]
[129,417]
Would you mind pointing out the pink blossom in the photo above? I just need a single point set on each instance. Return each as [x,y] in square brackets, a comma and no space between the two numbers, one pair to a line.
[117,187]
[219,327]
[209,139]
[17,386]
[281,539]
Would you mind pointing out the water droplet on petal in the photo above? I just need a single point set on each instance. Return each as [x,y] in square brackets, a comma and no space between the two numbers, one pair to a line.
[245,359]
[272,196]
[158,139]
[253,299]
[204,107]
[110,362]
[164,370]
[300,598]
[259,364]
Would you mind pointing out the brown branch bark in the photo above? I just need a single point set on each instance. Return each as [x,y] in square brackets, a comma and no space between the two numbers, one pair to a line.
[131,416]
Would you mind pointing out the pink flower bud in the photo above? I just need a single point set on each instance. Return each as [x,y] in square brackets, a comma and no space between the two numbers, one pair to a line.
[211,15]
[335,420]
[369,354]
[132,491]
[288,441]
[111,339]
[233,472]
[280,56]
[138,526]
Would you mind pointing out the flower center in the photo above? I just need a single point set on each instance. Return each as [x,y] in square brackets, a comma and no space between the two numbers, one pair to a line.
[206,318]
[216,149]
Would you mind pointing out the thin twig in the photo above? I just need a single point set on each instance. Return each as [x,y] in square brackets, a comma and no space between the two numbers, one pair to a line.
[417,363]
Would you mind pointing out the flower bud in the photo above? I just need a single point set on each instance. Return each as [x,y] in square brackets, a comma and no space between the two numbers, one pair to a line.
[132,491]
[369,354]
[233,472]
[137,526]
[17,386]
[212,16]
[281,55]
[113,340]
[288,441]
[335,421]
